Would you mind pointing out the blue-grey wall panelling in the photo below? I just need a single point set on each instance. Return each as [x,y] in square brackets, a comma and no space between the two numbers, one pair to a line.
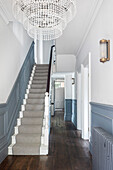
[70,113]
[101,116]
[74,112]
[68,110]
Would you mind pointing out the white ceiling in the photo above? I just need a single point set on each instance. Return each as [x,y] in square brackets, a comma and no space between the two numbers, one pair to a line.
[6,10]
[73,35]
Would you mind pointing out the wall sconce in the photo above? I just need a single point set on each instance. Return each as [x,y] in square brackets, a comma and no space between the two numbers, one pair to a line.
[104,50]
[73,81]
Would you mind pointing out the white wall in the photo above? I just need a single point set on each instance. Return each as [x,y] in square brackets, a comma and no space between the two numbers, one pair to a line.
[46,47]
[101,78]
[68,86]
[74,92]
[14,46]
[65,63]
[46,53]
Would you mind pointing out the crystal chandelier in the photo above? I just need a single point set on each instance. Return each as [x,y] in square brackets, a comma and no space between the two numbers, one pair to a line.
[44,19]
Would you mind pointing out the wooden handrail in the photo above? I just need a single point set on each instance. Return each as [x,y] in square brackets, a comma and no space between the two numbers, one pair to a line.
[49,69]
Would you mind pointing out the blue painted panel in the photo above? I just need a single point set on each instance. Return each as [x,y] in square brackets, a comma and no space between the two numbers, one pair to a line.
[101,116]
[68,110]
[10,111]
[74,112]
[102,121]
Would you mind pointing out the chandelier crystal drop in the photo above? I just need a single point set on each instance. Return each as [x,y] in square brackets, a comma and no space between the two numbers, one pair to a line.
[44,19]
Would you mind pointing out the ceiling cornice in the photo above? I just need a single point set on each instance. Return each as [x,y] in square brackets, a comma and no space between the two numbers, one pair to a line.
[94,11]
[4,12]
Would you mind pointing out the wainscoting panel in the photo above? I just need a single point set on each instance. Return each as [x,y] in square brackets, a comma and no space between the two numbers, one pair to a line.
[10,111]
[68,110]
[101,116]
[74,112]
[70,113]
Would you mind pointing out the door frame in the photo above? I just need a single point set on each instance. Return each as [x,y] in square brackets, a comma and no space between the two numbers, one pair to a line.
[83,111]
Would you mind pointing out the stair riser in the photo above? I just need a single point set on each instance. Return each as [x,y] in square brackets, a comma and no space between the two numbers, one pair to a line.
[27,114]
[40,78]
[39,82]
[27,151]
[41,70]
[35,101]
[34,108]
[29,130]
[27,139]
[42,65]
[40,91]
[38,87]
[40,74]
[29,121]
[36,96]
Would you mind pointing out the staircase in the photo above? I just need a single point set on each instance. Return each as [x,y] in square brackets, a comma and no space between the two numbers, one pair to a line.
[28,134]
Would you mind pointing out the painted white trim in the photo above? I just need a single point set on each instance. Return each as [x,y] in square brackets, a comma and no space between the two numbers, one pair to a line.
[93,15]
[89,96]
[84,98]
[79,109]
[45,128]
[85,103]
[19,121]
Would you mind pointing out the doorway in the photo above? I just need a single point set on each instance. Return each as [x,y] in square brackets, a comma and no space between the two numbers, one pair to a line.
[84,98]
[59,94]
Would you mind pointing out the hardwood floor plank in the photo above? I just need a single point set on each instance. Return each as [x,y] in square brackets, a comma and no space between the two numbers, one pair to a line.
[67,151]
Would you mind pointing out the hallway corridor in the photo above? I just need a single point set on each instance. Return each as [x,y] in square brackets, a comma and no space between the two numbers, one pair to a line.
[67,151]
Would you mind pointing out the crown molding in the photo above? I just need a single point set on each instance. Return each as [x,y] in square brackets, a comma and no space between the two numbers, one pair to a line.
[93,14]
[4,12]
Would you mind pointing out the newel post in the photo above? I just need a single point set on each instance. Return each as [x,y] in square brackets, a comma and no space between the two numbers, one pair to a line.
[46,118]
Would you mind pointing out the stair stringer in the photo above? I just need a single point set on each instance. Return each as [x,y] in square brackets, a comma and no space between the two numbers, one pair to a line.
[13,140]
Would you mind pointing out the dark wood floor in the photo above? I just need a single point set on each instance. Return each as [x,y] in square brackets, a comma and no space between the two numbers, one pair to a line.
[67,151]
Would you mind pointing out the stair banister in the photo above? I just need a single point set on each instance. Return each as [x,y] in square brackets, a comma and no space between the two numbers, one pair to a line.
[49,70]
[46,121]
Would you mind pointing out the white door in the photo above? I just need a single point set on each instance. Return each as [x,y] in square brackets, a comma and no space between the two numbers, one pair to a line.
[86,98]
[79,108]
[59,98]
[85,102]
